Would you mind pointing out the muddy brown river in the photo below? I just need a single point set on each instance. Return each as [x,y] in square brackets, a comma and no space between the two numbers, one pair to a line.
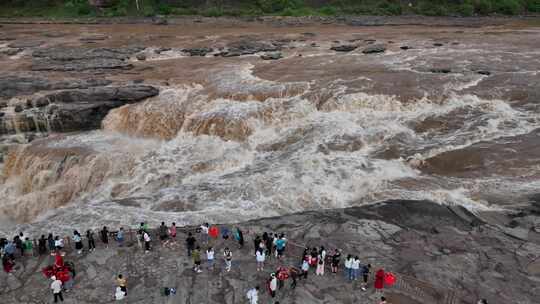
[113,124]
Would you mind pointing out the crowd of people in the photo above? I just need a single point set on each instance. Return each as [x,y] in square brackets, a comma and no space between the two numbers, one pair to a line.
[265,246]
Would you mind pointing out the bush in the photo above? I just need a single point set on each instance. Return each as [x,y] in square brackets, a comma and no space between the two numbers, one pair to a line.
[328,11]
[466,9]
[388,8]
[164,9]
[431,9]
[507,7]
[482,7]
[532,6]
[274,6]
[213,12]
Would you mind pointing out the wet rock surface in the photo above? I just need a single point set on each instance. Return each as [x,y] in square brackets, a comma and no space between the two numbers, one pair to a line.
[432,267]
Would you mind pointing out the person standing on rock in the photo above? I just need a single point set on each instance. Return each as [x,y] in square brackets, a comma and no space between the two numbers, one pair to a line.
[50,243]
[58,243]
[239,235]
[163,233]
[147,240]
[204,232]
[227,254]
[305,268]
[335,261]
[56,287]
[122,283]
[19,244]
[196,254]
[256,243]
[190,243]
[210,257]
[253,295]
[172,232]
[366,269]
[120,237]
[379,280]
[294,273]
[78,241]
[260,256]
[91,241]
[281,243]
[320,266]
[348,267]
[42,245]
[355,266]
[7,263]
[105,236]
[273,285]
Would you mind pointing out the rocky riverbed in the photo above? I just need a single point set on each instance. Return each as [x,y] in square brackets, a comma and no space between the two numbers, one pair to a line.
[440,254]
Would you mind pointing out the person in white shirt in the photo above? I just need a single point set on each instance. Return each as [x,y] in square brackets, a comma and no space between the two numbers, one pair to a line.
[227,254]
[56,287]
[253,295]
[204,231]
[58,243]
[320,266]
[120,294]
[210,257]
[355,267]
[147,240]
[348,267]
[273,285]
[260,257]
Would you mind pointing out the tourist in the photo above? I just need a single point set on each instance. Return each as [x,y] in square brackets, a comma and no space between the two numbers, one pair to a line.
[482,301]
[383,301]
[281,242]
[42,245]
[274,240]
[58,243]
[204,231]
[267,244]
[379,280]
[68,285]
[120,237]
[348,267]
[91,241]
[225,233]
[273,285]
[8,263]
[322,253]
[282,275]
[260,257]
[305,268]
[239,235]
[147,240]
[210,257]
[19,244]
[105,237]
[227,254]
[253,295]
[366,269]
[256,243]
[190,243]
[320,266]
[28,247]
[355,268]
[294,273]
[196,254]
[122,283]
[313,257]
[78,241]
[140,238]
[172,232]
[163,233]
[9,250]
[56,287]
[335,261]
[50,243]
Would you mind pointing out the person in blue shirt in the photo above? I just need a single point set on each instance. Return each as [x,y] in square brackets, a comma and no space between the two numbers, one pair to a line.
[281,243]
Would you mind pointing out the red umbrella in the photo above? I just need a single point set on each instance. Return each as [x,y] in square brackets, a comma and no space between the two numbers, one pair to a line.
[213,231]
[389,278]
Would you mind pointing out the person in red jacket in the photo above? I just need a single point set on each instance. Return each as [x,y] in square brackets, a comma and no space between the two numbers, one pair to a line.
[379,280]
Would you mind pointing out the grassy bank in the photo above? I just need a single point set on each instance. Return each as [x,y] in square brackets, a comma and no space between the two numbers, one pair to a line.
[216,8]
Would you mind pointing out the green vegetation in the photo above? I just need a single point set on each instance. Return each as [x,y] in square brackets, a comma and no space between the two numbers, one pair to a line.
[216,8]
